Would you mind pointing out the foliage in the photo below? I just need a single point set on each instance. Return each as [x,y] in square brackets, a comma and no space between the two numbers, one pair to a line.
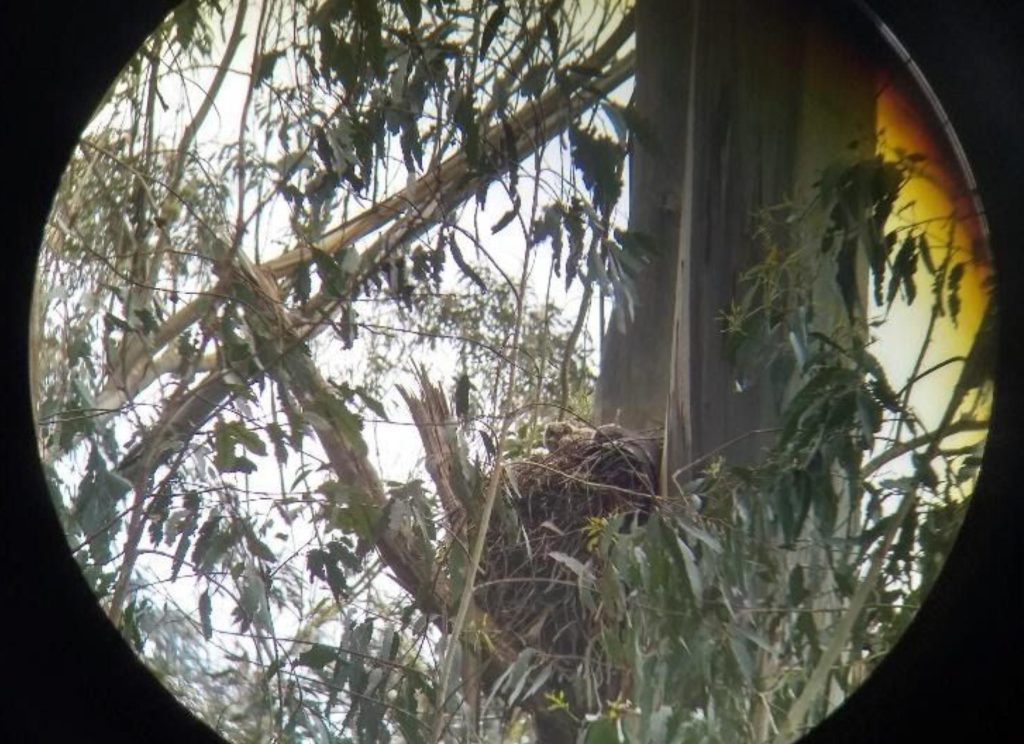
[235,280]
[814,558]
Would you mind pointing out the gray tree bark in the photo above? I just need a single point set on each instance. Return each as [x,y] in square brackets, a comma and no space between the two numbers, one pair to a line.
[748,101]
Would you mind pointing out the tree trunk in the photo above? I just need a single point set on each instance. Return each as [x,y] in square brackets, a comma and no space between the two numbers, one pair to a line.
[748,101]
[720,84]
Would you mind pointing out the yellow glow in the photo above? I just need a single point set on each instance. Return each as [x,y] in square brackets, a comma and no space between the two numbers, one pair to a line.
[939,201]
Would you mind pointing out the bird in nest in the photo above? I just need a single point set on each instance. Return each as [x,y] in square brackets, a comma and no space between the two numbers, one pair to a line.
[560,433]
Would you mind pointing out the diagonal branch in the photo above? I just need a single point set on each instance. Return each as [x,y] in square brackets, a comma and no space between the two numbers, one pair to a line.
[193,411]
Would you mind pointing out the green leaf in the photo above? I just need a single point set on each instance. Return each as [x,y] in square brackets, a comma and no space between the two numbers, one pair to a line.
[599,160]
[317,656]
[345,423]
[205,611]
[903,269]
[465,268]
[184,543]
[846,277]
[924,472]
[504,221]
[602,731]
[584,573]
[572,219]
[551,32]
[205,539]
[372,403]
[533,83]
[825,504]
[845,582]
[464,115]
[112,321]
[359,516]
[280,441]
[803,495]
[186,19]
[693,575]
[783,507]
[226,434]
[413,11]
[702,535]
[798,591]
[462,388]
[99,492]
[147,321]
[301,282]
[265,70]
[744,660]
[869,415]
[491,29]
[956,275]
[333,277]
[925,252]
[257,547]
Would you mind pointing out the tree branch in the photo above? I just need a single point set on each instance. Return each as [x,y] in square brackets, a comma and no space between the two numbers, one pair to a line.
[432,195]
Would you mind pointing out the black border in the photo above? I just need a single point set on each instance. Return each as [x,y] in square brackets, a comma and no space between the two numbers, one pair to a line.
[957,674]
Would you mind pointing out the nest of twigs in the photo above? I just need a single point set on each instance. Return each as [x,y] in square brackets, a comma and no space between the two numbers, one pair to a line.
[530,589]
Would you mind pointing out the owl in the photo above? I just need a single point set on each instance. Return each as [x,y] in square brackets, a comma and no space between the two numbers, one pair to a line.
[558,433]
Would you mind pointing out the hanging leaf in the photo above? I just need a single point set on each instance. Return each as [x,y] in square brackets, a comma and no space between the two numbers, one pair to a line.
[550,227]
[464,116]
[332,410]
[599,160]
[461,398]
[869,416]
[316,656]
[208,549]
[798,591]
[205,612]
[186,19]
[903,268]
[925,252]
[573,221]
[413,11]
[504,221]
[265,69]
[534,81]
[280,441]
[465,268]
[878,265]
[581,571]
[184,542]
[956,275]
[924,472]
[491,28]
[846,278]
[332,273]
[257,547]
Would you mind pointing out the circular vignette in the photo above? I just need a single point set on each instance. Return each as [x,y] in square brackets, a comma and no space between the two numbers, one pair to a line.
[71,676]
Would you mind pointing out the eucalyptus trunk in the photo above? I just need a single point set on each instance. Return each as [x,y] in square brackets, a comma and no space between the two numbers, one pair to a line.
[748,101]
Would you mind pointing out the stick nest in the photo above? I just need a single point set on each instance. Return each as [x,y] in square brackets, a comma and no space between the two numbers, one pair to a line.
[548,502]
